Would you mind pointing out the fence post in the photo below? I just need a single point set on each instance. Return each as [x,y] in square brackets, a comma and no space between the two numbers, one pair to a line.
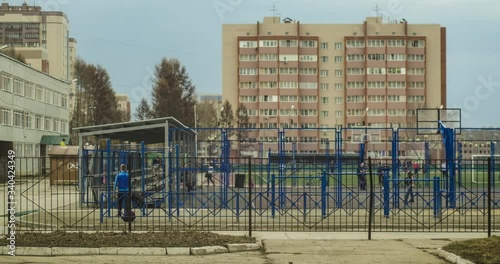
[324,199]
[386,193]
[437,197]
[370,210]
[273,195]
[250,197]
[490,179]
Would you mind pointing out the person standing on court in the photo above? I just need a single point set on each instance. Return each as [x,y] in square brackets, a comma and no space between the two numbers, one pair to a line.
[362,176]
[122,185]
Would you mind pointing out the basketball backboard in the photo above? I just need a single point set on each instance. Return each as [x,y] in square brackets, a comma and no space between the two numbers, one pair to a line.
[428,120]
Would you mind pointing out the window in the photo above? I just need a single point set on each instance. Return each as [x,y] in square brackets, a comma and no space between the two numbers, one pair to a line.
[308,99]
[355,85]
[268,43]
[395,98]
[416,71]
[6,83]
[248,44]
[28,120]
[56,125]
[323,73]
[338,114]
[308,43]
[396,70]
[289,85]
[288,43]
[338,100]
[355,99]
[338,59]
[375,71]
[308,58]
[288,57]
[268,84]
[376,57]
[248,57]
[28,90]
[268,57]
[288,98]
[355,44]
[18,118]
[39,93]
[324,59]
[417,85]
[324,113]
[417,43]
[338,86]
[355,71]
[268,98]
[268,71]
[376,85]
[324,100]
[396,43]
[48,124]
[324,45]
[248,98]
[57,99]
[338,73]
[248,85]
[376,98]
[376,112]
[38,122]
[308,112]
[324,86]
[416,98]
[355,112]
[308,71]
[416,57]
[248,71]
[376,43]
[288,71]
[308,85]
[48,96]
[338,45]
[268,112]
[6,117]
[355,57]
[396,84]
[396,57]
[64,101]
[396,112]
[18,86]
[31,35]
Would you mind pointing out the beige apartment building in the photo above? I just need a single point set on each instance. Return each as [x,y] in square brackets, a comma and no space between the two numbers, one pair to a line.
[318,76]
[42,37]
[124,104]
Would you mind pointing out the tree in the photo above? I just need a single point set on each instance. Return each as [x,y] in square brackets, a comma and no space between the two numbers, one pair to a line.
[173,92]
[11,52]
[226,115]
[96,102]
[143,111]
[242,119]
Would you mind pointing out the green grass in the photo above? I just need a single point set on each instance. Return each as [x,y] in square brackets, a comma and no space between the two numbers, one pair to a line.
[479,251]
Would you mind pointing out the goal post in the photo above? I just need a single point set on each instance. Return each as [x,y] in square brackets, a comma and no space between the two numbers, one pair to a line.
[479,167]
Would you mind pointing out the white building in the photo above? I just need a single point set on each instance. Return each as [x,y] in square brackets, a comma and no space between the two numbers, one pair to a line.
[33,112]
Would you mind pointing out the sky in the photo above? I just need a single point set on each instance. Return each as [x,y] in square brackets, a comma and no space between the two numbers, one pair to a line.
[129,38]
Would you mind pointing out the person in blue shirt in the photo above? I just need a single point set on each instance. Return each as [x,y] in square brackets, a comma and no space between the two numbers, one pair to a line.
[121,183]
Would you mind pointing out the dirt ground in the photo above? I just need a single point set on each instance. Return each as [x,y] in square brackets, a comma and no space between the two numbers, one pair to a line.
[102,239]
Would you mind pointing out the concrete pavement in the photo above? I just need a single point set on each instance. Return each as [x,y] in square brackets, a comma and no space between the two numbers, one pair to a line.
[299,247]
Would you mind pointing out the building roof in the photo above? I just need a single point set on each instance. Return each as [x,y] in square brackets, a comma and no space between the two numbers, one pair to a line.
[148,131]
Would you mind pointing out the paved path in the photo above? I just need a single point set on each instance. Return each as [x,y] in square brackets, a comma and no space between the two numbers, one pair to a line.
[298,247]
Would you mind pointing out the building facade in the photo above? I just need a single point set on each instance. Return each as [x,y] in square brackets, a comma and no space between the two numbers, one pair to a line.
[124,104]
[319,76]
[42,37]
[33,105]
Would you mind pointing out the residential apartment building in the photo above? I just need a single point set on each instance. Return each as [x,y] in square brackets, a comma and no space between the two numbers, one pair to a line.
[319,76]
[124,103]
[42,37]
[33,112]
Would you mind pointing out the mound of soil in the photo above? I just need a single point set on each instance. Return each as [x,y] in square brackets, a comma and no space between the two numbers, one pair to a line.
[108,239]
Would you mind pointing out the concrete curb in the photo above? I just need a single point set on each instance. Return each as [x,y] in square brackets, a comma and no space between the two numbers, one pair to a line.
[452,257]
[156,251]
